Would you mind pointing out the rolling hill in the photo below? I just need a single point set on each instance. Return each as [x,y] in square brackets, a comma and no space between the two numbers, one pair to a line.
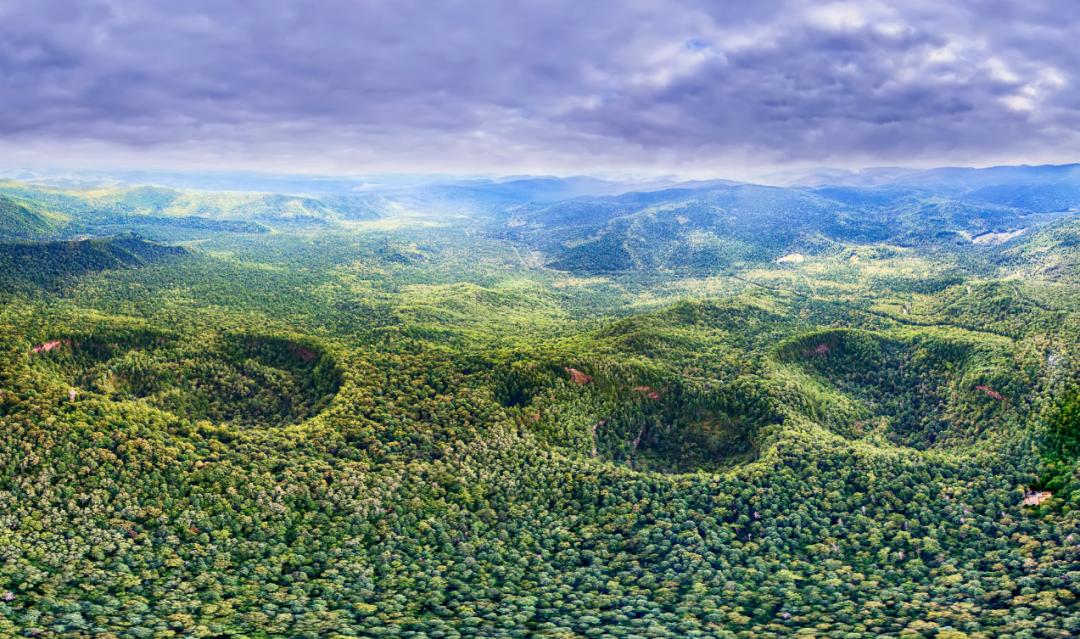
[543,408]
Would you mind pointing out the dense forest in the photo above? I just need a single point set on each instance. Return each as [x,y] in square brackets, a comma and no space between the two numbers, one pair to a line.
[510,411]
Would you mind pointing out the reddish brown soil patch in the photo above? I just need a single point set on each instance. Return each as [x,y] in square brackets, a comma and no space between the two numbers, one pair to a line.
[1033,498]
[578,377]
[48,346]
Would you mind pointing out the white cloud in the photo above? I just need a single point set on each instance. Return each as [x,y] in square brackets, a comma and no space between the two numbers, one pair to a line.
[840,16]
[1018,102]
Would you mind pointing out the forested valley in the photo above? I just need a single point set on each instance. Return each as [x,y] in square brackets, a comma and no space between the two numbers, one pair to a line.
[528,409]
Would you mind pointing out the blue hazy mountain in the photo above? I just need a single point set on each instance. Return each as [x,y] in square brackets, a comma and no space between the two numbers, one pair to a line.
[578,223]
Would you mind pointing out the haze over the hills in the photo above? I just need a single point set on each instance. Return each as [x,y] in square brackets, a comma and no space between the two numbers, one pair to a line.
[547,187]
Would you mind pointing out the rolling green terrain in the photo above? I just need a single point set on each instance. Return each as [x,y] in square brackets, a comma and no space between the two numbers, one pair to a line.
[513,411]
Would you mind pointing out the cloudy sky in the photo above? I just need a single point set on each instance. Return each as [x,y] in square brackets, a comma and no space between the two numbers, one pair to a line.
[551,86]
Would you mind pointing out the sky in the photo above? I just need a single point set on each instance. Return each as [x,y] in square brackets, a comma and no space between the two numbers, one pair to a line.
[686,87]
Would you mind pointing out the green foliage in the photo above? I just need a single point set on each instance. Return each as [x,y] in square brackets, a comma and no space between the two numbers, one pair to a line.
[246,380]
[174,228]
[1063,438]
[26,267]
[419,431]
[1061,465]
[21,221]
[924,387]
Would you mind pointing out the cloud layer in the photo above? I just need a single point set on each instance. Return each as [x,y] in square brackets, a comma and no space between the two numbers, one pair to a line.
[539,85]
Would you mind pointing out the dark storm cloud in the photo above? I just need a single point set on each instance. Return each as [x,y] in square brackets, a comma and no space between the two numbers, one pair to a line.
[486,84]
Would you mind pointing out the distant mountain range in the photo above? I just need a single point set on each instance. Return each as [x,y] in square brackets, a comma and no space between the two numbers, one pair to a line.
[578,223]
[526,188]
[539,188]
[952,178]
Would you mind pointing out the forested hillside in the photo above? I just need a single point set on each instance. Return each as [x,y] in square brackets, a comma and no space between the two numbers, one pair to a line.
[21,220]
[46,212]
[541,409]
[705,230]
[32,267]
